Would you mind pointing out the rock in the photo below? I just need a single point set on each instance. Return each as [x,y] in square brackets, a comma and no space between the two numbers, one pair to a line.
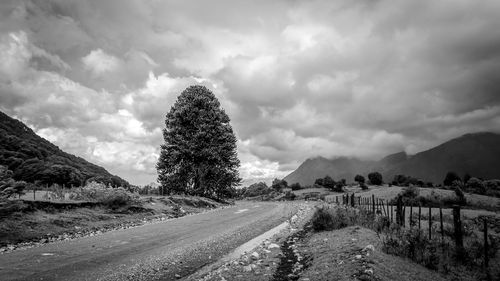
[247,268]
[177,276]
[358,257]
[369,271]
[255,256]
[369,248]
[326,239]
[273,246]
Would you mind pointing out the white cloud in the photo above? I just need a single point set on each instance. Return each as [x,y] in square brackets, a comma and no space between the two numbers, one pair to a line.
[98,62]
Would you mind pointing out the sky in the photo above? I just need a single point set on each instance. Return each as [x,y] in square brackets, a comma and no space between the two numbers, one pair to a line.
[299,79]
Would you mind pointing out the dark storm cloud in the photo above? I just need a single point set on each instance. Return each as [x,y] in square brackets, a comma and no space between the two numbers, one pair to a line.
[297,78]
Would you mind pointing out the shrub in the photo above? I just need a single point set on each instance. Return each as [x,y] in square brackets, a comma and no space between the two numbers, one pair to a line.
[492,188]
[375,178]
[450,178]
[409,194]
[335,218]
[290,195]
[296,186]
[359,178]
[108,196]
[279,185]
[257,189]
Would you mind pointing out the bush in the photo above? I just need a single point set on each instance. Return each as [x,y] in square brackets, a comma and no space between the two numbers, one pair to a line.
[108,196]
[359,178]
[290,196]
[296,186]
[375,178]
[257,189]
[450,178]
[335,218]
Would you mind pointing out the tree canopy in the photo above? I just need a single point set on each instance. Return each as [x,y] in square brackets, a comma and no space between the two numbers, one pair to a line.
[199,155]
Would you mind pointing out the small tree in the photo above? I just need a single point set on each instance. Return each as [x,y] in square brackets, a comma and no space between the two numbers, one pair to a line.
[8,186]
[450,178]
[359,178]
[328,182]
[296,186]
[375,178]
[279,185]
[319,182]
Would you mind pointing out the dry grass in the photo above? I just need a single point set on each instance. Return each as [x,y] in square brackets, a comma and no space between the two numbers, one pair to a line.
[31,224]
[334,258]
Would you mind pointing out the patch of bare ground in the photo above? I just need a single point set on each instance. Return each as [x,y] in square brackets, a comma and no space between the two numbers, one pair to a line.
[354,253]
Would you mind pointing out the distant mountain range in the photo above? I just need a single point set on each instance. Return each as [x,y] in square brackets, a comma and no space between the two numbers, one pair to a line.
[34,159]
[476,154]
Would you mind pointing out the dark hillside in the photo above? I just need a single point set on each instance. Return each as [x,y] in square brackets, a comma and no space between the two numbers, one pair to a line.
[34,159]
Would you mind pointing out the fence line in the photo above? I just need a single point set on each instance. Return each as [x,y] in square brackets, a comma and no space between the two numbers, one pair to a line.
[375,206]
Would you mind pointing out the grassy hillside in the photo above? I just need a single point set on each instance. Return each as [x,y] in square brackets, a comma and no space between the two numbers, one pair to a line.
[34,159]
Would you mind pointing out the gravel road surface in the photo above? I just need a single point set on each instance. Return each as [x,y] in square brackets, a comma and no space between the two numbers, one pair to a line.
[168,250]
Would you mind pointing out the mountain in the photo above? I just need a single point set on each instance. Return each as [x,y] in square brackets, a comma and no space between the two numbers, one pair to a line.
[476,154]
[34,159]
[339,168]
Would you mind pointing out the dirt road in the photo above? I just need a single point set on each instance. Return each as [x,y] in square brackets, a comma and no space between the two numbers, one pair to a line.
[163,251]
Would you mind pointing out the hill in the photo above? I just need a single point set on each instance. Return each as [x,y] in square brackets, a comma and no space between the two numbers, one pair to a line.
[34,159]
[339,168]
[476,154]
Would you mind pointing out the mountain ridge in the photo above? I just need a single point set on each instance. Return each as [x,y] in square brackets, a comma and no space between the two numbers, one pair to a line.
[477,154]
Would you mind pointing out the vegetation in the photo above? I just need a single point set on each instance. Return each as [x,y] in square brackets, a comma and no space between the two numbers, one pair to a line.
[35,160]
[329,183]
[9,186]
[257,189]
[375,178]
[327,218]
[279,185]
[296,186]
[436,253]
[359,179]
[199,155]
[450,178]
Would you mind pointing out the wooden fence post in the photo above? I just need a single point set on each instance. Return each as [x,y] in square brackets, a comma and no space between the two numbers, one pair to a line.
[459,241]
[34,193]
[388,214]
[441,223]
[486,258]
[411,215]
[399,210]
[430,222]
[392,214]
[352,200]
[403,217]
[419,215]
[373,204]
[337,200]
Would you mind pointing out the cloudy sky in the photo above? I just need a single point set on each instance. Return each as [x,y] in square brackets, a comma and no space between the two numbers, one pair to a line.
[298,79]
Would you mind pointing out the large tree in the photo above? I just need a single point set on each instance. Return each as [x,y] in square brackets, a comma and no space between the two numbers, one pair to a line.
[199,155]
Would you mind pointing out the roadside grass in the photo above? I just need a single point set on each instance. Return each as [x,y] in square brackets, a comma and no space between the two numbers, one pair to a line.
[345,254]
